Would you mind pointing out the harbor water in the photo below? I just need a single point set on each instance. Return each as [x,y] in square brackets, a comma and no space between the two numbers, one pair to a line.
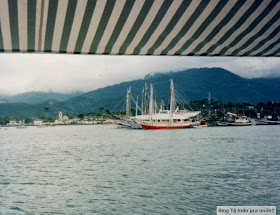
[101,169]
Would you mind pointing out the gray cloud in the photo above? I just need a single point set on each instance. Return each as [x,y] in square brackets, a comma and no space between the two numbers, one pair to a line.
[65,73]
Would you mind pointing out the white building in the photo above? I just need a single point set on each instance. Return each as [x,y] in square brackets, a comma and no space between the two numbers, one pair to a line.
[38,122]
[12,123]
[62,119]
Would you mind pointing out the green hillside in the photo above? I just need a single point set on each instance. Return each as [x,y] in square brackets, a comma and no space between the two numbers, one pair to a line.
[192,84]
[37,97]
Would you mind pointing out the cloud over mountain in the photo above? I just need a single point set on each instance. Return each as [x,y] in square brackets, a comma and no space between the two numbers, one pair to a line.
[66,73]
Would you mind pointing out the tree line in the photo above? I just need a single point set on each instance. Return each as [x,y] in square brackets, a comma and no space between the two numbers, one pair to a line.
[209,108]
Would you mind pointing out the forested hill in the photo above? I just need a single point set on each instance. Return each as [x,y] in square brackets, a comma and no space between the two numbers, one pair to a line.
[192,84]
[38,97]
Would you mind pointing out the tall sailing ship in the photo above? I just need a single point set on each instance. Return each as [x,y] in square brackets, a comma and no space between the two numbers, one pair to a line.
[161,119]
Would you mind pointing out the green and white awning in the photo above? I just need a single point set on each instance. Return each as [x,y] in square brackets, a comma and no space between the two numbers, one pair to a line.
[142,27]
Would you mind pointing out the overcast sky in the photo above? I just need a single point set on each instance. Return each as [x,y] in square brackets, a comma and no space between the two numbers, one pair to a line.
[66,73]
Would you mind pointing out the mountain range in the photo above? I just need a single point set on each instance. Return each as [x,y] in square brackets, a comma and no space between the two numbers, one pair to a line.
[191,84]
[38,97]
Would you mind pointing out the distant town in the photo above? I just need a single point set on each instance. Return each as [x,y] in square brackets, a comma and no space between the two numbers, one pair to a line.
[61,120]
[210,109]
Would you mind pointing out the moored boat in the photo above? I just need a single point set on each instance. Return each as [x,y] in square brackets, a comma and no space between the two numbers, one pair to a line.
[266,122]
[42,126]
[21,127]
[168,119]
[122,124]
[201,126]
[222,123]
[240,121]
[236,121]
[153,117]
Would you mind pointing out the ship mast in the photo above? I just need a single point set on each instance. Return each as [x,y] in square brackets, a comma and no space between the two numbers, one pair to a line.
[142,103]
[151,99]
[172,96]
[161,105]
[136,111]
[128,102]
[155,106]
[146,100]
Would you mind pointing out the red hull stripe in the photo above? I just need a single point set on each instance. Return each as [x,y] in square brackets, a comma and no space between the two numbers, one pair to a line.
[163,127]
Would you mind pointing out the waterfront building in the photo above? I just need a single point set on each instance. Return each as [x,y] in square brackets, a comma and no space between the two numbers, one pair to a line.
[62,120]
[12,123]
[38,122]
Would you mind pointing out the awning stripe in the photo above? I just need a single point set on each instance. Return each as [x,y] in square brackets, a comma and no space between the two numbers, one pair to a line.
[85,25]
[175,19]
[269,46]
[119,26]
[5,25]
[262,34]
[247,18]
[152,39]
[236,25]
[219,27]
[272,51]
[50,25]
[118,8]
[60,19]
[22,25]
[151,16]
[252,27]
[136,26]
[67,26]
[157,20]
[276,53]
[38,22]
[272,48]
[14,22]
[201,28]
[219,37]
[134,13]
[183,21]
[43,24]
[141,27]
[95,20]
[261,28]
[75,24]
[214,27]
[102,25]
[263,44]
[199,11]
[1,40]
[31,19]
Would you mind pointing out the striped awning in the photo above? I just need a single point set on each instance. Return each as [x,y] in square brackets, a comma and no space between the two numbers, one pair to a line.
[142,27]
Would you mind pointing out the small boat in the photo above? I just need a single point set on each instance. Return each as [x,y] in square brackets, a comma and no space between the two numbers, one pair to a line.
[241,121]
[133,123]
[200,126]
[195,123]
[266,122]
[42,126]
[222,123]
[210,122]
[121,124]
[234,120]
[21,127]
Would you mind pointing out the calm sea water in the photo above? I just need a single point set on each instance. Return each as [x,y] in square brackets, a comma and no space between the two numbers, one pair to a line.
[104,170]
